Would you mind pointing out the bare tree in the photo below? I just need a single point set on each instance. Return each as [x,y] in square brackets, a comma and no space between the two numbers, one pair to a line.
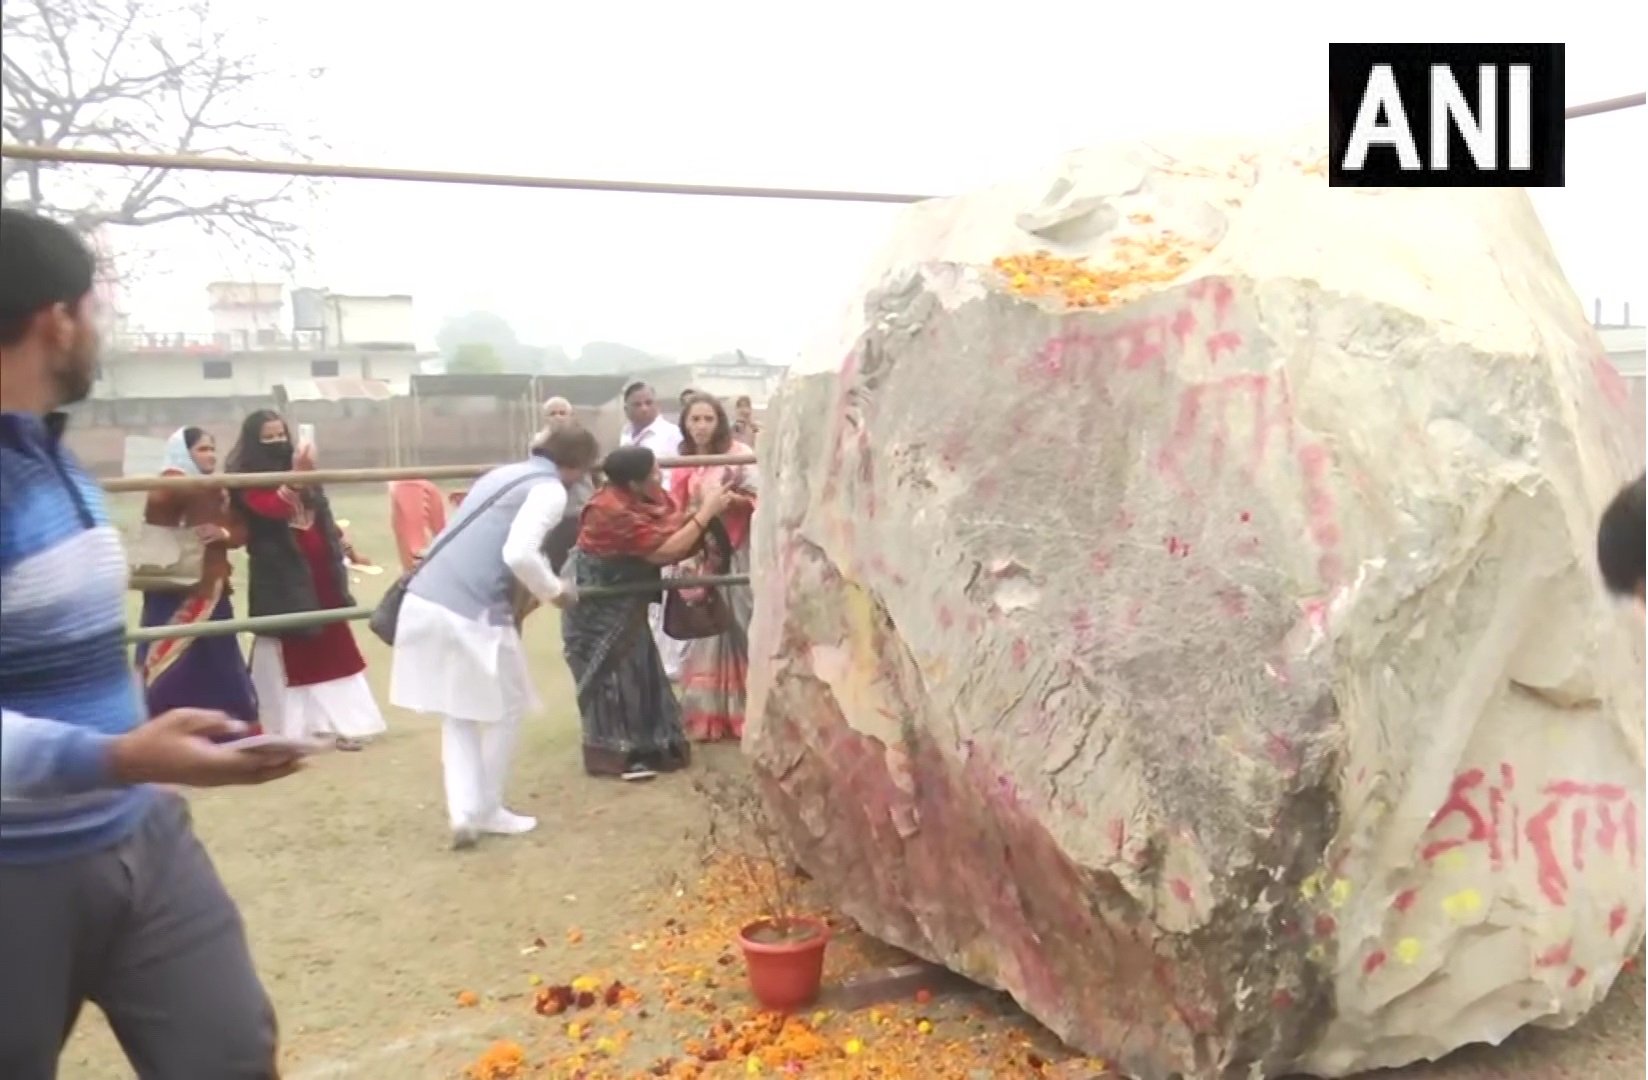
[143,77]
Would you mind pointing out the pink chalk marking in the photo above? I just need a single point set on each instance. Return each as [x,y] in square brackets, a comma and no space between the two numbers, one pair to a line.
[1555,956]
[1404,900]
[1134,611]
[1245,516]
[1280,750]
[1141,351]
[1616,919]
[1607,828]
[1099,562]
[1232,603]
[1021,652]
[1326,926]
[1181,890]
[1223,295]
[1118,835]
[1375,961]
[1225,341]
[1614,388]
[946,617]
[1330,569]
[1183,325]
[1577,977]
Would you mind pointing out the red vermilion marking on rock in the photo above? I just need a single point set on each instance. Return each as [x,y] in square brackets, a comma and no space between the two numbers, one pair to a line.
[1225,341]
[1245,516]
[1552,881]
[1496,805]
[1555,956]
[1616,919]
[946,617]
[1181,890]
[1404,899]
[1375,961]
[1281,999]
[1578,824]
[1326,925]
[1099,562]
[1458,802]
[1577,977]
[1021,652]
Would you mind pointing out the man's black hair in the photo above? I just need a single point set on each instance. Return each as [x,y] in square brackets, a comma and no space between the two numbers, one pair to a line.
[628,465]
[629,391]
[41,263]
[1621,538]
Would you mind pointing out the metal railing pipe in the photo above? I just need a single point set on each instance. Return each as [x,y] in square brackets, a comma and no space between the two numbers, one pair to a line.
[123,484]
[309,620]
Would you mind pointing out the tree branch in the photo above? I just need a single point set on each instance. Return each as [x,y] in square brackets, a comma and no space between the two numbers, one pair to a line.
[133,76]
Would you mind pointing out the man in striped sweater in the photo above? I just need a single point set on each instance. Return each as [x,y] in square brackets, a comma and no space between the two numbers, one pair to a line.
[105,893]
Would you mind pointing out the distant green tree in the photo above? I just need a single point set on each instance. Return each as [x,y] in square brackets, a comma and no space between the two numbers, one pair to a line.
[475,358]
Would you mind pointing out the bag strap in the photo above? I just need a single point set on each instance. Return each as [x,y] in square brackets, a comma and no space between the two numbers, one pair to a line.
[452,533]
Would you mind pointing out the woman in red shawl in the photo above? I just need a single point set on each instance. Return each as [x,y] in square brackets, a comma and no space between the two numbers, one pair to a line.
[310,683]
[627,531]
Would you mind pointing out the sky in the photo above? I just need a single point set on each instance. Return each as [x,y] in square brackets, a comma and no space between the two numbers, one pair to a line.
[888,95]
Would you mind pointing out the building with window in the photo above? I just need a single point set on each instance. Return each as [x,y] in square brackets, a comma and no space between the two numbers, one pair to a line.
[255,346]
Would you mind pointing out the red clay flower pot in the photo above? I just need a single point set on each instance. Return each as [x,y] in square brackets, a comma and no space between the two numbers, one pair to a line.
[786,970]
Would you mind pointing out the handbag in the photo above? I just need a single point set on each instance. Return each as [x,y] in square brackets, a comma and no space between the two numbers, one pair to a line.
[689,620]
[164,558]
[387,615]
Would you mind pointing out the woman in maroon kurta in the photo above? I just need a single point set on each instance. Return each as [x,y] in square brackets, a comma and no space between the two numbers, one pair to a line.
[311,683]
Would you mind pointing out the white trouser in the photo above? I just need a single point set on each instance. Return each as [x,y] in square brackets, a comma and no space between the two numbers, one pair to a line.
[475,759]
[670,651]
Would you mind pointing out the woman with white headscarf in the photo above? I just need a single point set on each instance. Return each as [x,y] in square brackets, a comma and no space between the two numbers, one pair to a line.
[199,672]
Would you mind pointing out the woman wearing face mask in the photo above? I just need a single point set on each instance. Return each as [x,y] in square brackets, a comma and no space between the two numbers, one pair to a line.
[201,672]
[310,683]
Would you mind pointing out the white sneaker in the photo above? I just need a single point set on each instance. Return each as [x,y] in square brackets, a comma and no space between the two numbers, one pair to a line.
[504,823]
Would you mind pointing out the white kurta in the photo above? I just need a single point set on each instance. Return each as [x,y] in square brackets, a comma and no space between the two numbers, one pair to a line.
[338,709]
[474,675]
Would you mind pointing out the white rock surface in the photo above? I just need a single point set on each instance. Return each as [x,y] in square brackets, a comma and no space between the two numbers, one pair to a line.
[1222,671]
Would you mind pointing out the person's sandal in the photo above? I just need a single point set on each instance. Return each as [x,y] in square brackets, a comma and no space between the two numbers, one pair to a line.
[349,744]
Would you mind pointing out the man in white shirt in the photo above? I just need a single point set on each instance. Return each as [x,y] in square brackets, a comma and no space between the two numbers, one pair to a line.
[644,426]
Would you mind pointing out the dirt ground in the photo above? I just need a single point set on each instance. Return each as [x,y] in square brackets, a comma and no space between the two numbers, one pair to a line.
[390,956]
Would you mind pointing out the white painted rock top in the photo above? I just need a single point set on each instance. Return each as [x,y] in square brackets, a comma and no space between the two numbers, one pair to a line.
[1222,670]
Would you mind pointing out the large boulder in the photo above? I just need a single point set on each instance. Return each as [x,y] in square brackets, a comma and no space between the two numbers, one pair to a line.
[1176,607]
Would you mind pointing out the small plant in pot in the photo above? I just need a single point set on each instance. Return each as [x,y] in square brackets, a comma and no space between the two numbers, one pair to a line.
[783,949]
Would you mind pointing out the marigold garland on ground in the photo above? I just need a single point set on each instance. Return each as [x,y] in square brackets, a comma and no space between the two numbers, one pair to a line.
[682,1011]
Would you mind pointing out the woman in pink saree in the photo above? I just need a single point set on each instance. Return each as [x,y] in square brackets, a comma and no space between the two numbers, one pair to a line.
[715,669]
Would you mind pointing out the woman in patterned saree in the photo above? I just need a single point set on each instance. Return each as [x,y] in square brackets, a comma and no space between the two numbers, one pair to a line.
[200,672]
[714,669]
[627,531]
